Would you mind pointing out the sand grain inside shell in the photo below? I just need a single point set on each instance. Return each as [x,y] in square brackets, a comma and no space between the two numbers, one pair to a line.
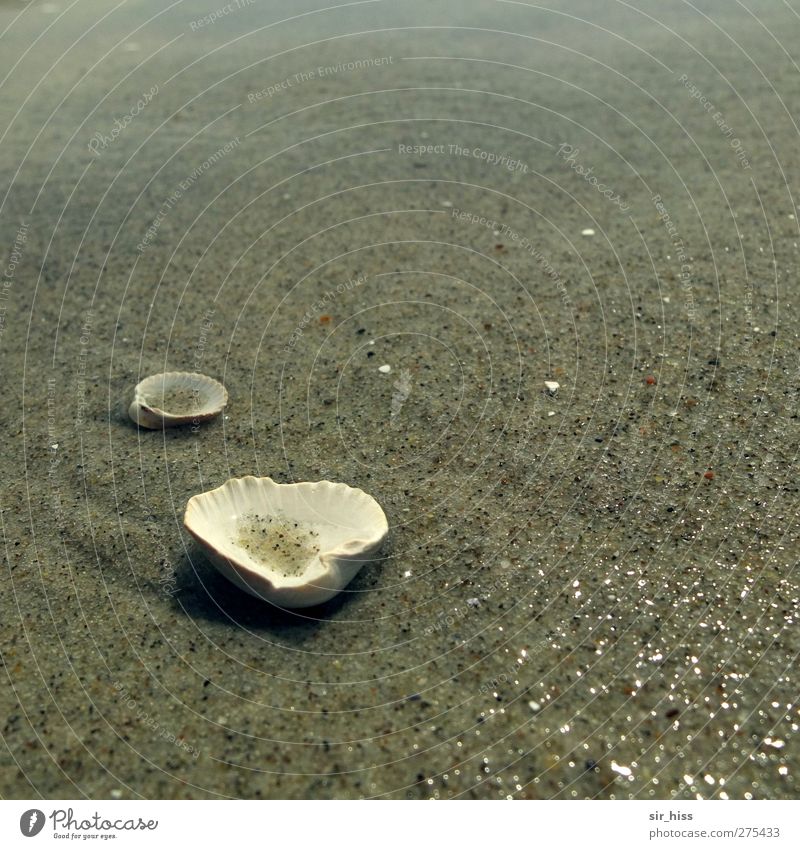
[288,546]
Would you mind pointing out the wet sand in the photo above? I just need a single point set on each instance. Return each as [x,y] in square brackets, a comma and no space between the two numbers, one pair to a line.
[586,594]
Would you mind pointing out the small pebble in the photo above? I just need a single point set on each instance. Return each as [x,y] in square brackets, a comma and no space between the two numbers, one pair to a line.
[587,232]
[384,369]
[473,602]
[552,386]
[534,706]
[551,412]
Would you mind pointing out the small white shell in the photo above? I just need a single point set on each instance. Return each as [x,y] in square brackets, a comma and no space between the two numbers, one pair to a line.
[176,398]
[295,545]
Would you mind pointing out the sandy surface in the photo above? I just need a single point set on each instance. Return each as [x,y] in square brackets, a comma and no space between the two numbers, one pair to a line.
[586,594]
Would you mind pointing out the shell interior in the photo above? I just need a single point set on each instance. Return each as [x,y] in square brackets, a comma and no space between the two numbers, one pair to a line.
[181,394]
[284,546]
[290,534]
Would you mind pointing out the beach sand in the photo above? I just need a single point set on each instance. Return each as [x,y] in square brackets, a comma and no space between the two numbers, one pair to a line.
[587,594]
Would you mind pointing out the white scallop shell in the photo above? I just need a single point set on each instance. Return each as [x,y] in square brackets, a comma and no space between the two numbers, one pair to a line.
[295,545]
[192,397]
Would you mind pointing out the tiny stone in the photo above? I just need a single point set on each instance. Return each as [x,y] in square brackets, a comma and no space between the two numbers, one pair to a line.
[551,413]
[534,706]
[587,232]
[473,602]
[384,369]
[551,386]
